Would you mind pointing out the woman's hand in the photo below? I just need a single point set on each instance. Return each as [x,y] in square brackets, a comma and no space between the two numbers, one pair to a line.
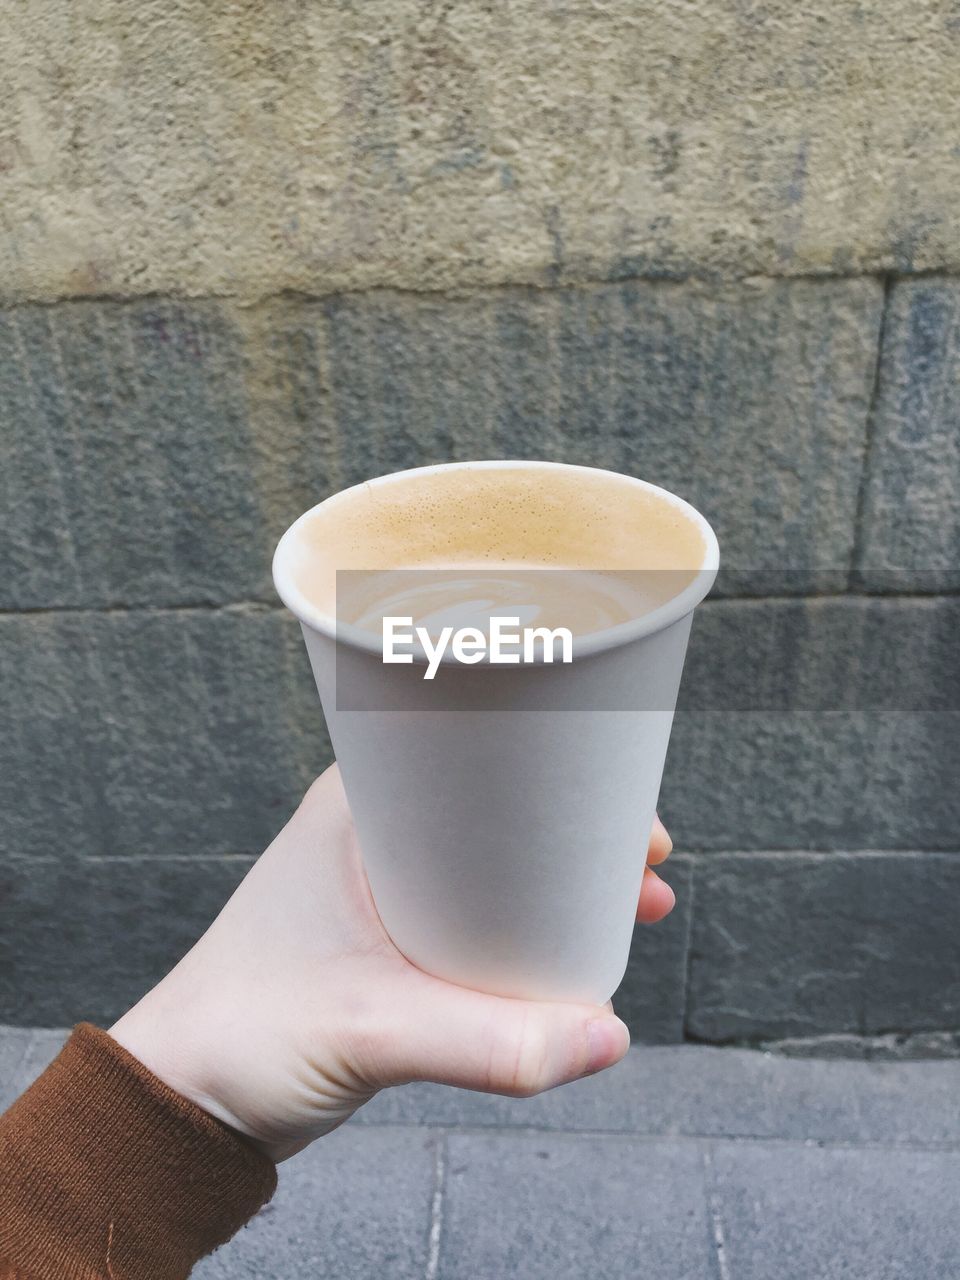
[657,899]
[295,1007]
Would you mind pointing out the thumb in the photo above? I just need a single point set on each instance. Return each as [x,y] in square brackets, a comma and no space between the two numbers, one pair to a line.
[451,1035]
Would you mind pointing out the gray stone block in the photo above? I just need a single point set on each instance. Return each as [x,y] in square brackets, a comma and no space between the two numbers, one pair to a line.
[911,519]
[197,732]
[817,724]
[157,449]
[356,1204]
[145,733]
[786,945]
[550,1207]
[651,997]
[132,475]
[660,382]
[85,938]
[901,1046]
[803,1211]
[193,733]
[805,780]
[838,654]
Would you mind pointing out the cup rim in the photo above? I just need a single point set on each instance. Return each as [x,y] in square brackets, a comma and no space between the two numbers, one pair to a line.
[658,619]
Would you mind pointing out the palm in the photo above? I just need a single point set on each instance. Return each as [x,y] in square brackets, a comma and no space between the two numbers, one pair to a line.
[295,1007]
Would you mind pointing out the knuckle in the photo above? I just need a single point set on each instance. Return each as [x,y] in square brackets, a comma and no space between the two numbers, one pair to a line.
[524,1071]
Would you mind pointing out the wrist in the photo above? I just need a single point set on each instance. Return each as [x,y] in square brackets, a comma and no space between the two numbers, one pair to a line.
[217,1048]
[97,1132]
[159,1040]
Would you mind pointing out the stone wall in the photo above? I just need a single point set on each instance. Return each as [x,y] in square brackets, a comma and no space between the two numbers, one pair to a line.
[251,254]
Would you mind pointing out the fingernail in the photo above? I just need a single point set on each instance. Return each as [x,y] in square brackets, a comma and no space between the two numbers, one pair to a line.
[607,1041]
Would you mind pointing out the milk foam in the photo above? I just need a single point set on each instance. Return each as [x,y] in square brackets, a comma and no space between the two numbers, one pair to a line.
[510,518]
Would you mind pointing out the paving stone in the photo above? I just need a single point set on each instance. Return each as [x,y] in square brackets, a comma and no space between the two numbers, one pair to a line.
[85,938]
[684,1090]
[356,1204]
[556,1197]
[14,1046]
[28,1051]
[159,448]
[803,1211]
[45,1044]
[564,1207]
[768,958]
[695,1090]
[911,520]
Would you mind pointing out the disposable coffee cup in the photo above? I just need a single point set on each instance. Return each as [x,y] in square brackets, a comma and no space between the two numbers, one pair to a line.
[503,809]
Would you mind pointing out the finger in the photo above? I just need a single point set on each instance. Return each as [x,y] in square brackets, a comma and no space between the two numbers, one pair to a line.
[450,1035]
[657,899]
[660,844]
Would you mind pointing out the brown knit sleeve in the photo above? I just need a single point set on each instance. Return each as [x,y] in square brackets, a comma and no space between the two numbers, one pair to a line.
[108,1174]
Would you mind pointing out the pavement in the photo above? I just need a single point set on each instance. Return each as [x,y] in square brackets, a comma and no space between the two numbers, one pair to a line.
[682,1163]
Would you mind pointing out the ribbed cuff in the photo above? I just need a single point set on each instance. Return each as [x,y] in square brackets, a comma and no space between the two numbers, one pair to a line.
[105,1171]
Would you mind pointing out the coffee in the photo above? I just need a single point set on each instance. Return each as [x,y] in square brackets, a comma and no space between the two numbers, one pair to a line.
[584,601]
[583,550]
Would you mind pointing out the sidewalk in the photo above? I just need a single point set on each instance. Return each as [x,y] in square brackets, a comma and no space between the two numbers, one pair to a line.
[680,1164]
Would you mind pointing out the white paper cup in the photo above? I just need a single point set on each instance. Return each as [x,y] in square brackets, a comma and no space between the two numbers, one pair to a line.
[503,813]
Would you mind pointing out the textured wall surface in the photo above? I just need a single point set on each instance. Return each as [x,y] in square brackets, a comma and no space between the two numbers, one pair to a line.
[250,255]
[240,148]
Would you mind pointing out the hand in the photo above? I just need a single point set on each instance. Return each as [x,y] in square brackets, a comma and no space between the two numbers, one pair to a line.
[657,899]
[295,1007]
